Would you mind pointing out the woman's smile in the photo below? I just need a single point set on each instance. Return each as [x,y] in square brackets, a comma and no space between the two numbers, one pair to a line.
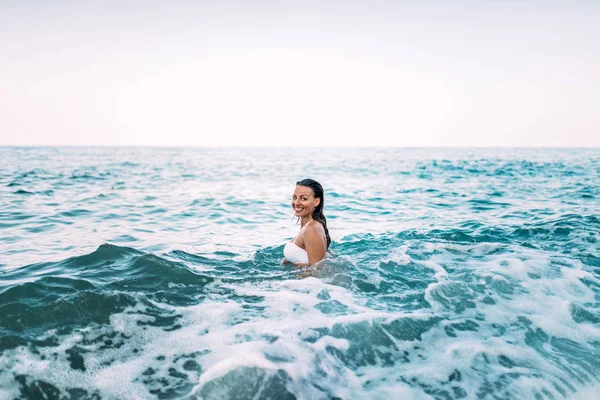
[298,210]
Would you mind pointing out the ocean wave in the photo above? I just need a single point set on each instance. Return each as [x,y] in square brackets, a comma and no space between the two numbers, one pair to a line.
[452,274]
[389,304]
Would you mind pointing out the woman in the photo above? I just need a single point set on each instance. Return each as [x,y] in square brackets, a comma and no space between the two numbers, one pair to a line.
[311,243]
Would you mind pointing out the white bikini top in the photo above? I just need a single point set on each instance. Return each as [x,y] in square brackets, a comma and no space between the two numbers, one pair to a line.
[294,253]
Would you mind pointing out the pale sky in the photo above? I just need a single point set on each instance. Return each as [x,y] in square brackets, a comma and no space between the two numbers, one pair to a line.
[300,73]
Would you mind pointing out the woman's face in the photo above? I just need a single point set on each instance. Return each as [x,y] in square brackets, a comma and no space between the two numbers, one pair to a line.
[304,201]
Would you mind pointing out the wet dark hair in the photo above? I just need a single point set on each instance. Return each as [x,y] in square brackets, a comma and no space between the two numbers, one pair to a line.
[317,213]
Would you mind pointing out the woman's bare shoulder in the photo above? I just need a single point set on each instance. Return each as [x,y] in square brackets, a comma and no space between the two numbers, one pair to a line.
[314,228]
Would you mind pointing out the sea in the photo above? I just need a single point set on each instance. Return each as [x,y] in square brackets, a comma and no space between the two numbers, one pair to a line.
[155,273]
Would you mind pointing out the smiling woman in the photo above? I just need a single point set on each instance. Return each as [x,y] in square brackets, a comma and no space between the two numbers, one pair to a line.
[311,243]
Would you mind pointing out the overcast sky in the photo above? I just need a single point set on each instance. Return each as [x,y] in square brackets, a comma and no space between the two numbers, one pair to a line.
[300,73]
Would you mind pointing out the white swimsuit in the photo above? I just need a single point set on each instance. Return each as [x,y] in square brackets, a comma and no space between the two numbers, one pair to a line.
[294,253]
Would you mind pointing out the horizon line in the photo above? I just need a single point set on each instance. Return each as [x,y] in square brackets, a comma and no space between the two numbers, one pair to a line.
[292,147]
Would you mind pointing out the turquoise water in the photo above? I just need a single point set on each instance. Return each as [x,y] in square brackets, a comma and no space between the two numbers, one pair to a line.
[154,273]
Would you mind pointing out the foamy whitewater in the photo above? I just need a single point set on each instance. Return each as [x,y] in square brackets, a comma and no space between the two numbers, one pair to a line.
[134,273]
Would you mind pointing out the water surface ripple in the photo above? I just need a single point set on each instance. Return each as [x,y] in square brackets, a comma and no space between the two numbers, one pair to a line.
[154,273]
